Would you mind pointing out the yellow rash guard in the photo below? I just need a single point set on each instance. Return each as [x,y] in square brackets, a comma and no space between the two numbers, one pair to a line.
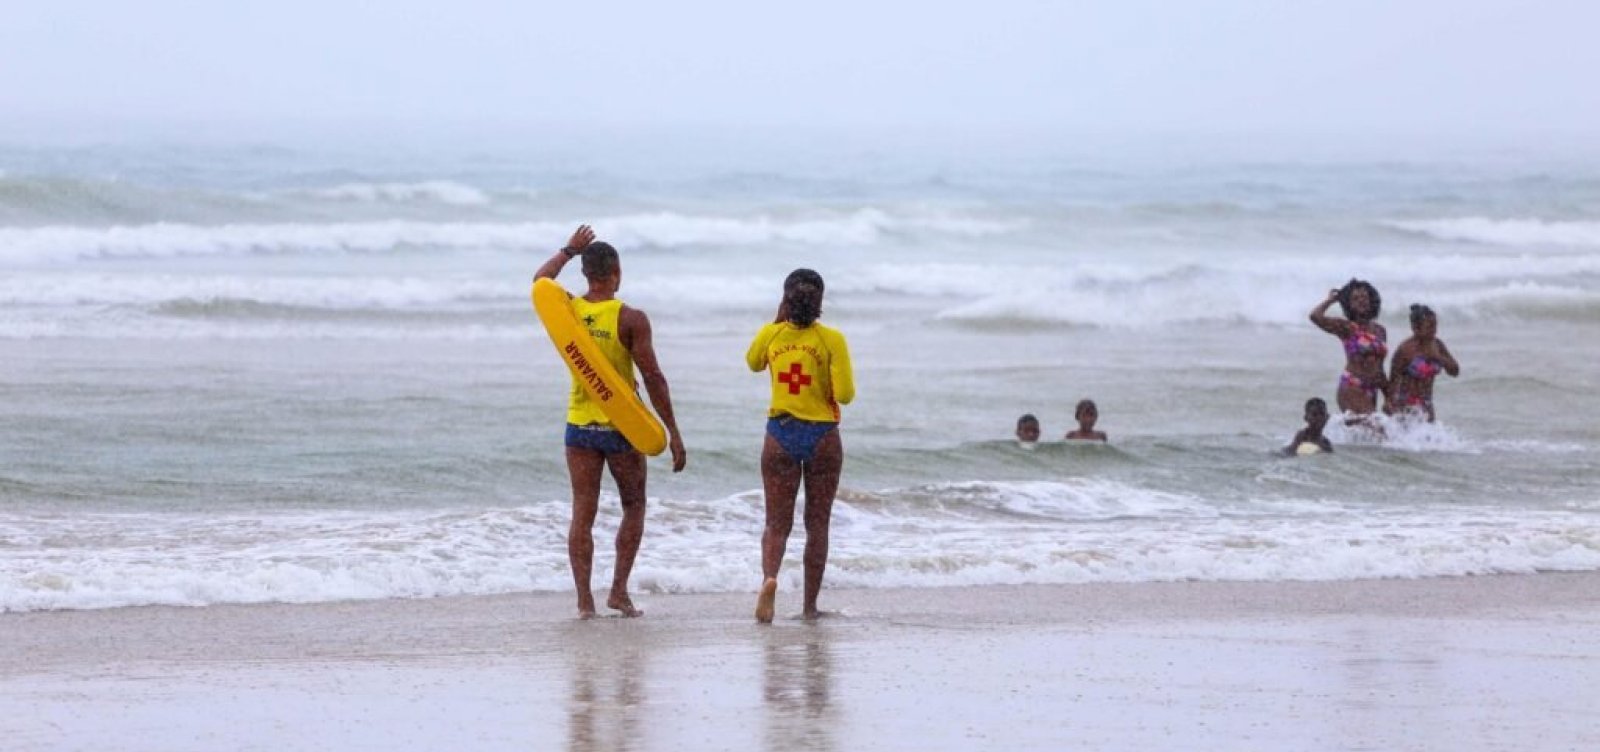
[810,370]
[601,321]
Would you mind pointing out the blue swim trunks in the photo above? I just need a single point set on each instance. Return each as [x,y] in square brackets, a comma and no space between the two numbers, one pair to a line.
[601,438]
[798,437]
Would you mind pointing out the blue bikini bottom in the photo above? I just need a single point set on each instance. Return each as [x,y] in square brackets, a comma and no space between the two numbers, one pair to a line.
[799,438]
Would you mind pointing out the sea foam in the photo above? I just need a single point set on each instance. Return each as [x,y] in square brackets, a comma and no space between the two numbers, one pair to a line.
[1053,532]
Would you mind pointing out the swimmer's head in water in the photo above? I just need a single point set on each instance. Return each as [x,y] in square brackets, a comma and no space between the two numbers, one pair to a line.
[1424,322]
[1316,413]
[1360,301]
[600,261]
[1086,413]
[1027,429]
[802,294]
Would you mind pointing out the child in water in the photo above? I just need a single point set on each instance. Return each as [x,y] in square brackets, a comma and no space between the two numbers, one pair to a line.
[1086,414]
[1028,431]
[1309,440]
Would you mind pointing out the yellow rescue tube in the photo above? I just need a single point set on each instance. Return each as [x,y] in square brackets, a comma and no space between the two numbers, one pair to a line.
[616,398]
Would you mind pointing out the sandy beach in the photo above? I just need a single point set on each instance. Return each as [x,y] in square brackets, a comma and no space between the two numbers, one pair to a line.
[1486,663]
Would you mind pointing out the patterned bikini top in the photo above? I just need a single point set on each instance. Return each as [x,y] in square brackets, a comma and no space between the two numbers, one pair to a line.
[1365,341]
[1422,368]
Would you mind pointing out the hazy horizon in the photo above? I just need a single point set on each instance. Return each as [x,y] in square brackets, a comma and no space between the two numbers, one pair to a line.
[1368,76]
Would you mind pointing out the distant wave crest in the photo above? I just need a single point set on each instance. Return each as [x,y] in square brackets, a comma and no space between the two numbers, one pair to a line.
[666,229]
[440,191]
[1508,232]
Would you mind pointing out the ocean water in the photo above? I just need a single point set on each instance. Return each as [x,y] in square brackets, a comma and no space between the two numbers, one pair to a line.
[268,374]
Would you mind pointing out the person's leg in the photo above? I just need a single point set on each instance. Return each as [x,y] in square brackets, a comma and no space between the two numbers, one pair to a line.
[1363,401]
[822,482]
[1358,403]
[1352,396]
[628,469]
[780,480]
[584,466]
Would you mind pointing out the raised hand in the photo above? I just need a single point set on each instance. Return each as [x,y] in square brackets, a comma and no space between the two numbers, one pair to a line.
[581,238]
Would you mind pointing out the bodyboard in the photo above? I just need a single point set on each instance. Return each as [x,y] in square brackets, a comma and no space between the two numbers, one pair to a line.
[590,369]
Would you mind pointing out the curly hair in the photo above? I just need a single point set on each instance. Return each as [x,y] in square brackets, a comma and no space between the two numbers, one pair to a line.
[1349,289]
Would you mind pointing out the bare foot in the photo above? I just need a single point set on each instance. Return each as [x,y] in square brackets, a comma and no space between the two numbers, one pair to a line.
[621,602]
[767,602]
[585,615]
[585,606]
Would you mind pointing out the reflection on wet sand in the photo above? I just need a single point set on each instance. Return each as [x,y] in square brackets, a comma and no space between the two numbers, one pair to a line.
[797,690]
[1377,681]
[607,698]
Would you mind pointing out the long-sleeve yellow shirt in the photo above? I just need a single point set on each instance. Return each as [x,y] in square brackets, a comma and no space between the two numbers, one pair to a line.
[810,368]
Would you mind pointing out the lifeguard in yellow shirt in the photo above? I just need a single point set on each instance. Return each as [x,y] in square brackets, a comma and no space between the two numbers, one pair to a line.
[624,336]
[809,365]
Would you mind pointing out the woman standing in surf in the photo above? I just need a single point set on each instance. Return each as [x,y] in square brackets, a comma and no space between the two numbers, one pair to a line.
[1416,362]
[1365,345]
[809,364]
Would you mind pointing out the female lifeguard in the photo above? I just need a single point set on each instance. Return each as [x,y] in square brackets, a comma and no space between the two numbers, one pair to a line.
[809,365]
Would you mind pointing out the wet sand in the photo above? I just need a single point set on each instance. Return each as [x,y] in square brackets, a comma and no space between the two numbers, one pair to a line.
[1488,663]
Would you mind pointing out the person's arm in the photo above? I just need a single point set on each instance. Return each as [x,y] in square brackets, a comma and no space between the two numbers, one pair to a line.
[1383,336]
[1396,367]
[756,356]
[581,238]
[634,330]
[844,380]
[1446,359]
[1294,443]
[1320,317]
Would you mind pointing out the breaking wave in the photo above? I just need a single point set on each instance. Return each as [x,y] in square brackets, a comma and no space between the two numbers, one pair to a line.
[1508,232]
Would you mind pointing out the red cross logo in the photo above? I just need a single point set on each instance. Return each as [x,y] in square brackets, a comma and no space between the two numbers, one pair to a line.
[795,378]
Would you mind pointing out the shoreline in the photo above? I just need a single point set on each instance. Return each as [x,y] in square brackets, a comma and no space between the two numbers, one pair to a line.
[44,638]
[1497,662]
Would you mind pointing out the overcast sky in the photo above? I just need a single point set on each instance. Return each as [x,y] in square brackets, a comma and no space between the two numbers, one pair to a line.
[1461,69]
